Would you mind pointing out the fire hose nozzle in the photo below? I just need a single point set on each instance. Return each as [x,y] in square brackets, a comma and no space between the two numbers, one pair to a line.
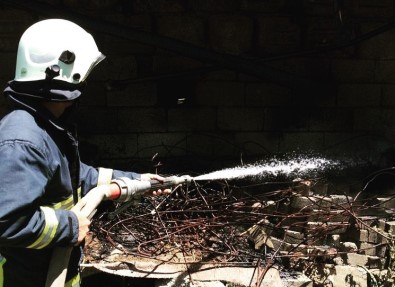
[176,180]
[132,188]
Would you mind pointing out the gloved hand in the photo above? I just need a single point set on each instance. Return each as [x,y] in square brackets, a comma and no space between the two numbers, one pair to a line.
[152,176]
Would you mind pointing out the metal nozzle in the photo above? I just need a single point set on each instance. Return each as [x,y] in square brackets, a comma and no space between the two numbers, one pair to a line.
[170,182]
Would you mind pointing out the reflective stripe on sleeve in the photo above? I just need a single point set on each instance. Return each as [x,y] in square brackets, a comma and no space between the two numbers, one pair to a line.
[68,203]
[2,261]
[74,282]
[51,225]
[105,176]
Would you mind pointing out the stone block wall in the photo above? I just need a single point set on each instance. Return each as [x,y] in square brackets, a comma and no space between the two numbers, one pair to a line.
[254,79]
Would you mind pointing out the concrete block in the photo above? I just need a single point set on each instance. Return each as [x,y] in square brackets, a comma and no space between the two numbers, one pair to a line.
[214,5]
[286,119]
[240,119]
[366,222]
[192,119]
[142,120]
[97,120]
[224,93]
[367,249]
[330,120]
[381,250]
[215,145]
[326,228]
[362,235]
[163,144]
[359,95]
[134,95]
[259,6]
[372,235]
[256,143]
[374,8]
[265,94]
[165,62]
[334,240]
[354,259]
[387,97]
[383,68]
[284,246]
[341,200]
[113,146]
[368,119]
[295,279]
[390,227]
[230,33]
[157,6]
[349,247]
[120,67]
[259,235]
[329,216]
[182,27]
[303,141]
[354,70]
[294,237]
[310,203]
[282,34]
[348,276]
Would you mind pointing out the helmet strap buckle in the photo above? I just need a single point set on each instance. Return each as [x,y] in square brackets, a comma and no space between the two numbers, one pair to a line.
[52,72]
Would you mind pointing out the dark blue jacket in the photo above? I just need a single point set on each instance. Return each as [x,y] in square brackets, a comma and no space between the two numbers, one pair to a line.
[41,179]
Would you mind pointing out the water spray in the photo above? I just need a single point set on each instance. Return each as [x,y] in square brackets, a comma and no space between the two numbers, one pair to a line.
[300,166]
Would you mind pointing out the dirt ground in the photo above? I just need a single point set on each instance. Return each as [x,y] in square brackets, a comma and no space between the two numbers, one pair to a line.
[107,280]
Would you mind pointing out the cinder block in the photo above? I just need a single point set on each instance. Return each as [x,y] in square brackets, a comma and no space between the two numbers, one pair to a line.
[142,120]
[310,203]
[163,144]
[381,251]
[367,249]
[296,279]
[182,27]
[354,259]
[390,227]
[220,93]
[330,119]
[350,95]
[114,146]
[366,222]
[329,216]
[325,228]
[240,119]
[264,95]
[341,200]
[334,240]
[348,276]
[307,140]
[294,237]
[192,119]
[354,70]
[230,33]
[284,246]
[136,95]
[282,34]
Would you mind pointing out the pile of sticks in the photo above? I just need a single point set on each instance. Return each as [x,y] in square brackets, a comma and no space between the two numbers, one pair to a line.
[246,224]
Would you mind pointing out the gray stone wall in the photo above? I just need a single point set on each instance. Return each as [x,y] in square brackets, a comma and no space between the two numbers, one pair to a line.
[255,77]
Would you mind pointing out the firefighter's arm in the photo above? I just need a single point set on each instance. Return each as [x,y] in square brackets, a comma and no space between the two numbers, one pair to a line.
[23,223]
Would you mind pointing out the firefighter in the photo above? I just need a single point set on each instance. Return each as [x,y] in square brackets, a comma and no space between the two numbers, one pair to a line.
[42,175]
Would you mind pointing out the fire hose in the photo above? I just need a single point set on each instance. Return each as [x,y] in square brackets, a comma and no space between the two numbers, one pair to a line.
[129,189]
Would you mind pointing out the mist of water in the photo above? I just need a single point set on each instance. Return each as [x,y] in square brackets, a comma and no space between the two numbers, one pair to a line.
[295,167]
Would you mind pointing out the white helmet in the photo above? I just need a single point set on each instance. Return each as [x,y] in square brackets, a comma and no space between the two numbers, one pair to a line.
[56,49]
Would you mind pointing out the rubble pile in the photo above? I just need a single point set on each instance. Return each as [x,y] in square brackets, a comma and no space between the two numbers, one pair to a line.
[309,237]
